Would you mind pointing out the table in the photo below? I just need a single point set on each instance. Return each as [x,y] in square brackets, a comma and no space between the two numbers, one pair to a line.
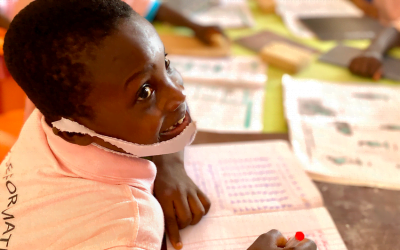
[367,218]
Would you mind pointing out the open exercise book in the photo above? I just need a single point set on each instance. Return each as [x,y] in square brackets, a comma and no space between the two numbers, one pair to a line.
[343,133]
[254,187]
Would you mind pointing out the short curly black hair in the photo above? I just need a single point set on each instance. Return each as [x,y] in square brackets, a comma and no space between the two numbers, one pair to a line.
[45,43]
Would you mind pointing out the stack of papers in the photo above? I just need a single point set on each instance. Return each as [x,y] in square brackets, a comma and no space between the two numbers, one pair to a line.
[292,10]
[224,95]
[254,187]
[347,134]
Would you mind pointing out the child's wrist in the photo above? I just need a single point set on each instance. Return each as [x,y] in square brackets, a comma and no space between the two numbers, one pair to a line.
[170,160]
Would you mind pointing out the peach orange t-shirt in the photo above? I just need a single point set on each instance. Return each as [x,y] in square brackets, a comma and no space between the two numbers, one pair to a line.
[58,195]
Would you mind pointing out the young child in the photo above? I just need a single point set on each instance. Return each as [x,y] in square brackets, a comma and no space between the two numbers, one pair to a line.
[76,178]
[152,10]
[369,63]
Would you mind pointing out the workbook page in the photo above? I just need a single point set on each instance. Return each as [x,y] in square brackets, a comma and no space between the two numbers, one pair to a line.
[240,231]
[247,178]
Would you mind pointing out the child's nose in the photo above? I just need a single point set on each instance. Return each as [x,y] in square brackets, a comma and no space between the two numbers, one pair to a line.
[175,97]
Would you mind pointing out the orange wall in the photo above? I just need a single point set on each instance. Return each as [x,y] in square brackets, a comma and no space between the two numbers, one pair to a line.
[11,95]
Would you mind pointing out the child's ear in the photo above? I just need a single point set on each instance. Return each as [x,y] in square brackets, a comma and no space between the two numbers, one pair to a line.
[75,138]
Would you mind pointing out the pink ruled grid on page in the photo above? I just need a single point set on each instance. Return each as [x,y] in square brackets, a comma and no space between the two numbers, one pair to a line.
[255,187]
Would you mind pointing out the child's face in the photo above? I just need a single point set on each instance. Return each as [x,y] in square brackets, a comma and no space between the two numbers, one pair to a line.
[137,96]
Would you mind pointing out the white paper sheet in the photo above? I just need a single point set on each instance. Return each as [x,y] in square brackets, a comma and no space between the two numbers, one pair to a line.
[239,232]
[292,10]
[238,71]
[356,103]
[254,177]
[255,187]
[318,8]
[225,109]
[345,134]
[229,14]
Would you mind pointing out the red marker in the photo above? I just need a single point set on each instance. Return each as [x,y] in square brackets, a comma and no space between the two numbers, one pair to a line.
[299,236]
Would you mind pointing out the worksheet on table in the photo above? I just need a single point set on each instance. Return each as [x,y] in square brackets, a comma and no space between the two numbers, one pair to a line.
[239,232]
[347,153]
[228,14]
[236,71]
[262,177]
[224,94]
[354,103]
[226,109]
[292,10]
[347,134]
[254,187]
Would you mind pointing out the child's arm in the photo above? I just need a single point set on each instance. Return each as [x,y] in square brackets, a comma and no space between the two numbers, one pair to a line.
[370,61]
[182,201]
[368,8]
[204,33]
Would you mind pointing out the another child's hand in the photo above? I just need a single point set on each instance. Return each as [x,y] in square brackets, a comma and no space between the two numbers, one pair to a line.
[274,240]
[366,64]
[182,201]
[205,33]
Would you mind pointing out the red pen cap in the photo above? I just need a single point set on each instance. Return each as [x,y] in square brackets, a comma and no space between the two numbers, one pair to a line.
[299,236]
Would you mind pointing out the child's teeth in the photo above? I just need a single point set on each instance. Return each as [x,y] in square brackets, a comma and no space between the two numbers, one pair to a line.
[176,124]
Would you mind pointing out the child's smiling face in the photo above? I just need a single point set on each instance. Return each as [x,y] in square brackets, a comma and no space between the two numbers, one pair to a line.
[136,95]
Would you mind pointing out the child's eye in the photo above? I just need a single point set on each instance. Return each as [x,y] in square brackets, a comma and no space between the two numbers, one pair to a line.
[145,93]
[167,63]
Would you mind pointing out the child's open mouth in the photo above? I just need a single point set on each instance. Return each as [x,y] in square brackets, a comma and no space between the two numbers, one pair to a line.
[176,129]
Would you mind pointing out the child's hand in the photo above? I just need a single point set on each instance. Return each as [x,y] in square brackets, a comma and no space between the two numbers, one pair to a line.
[182,201]
[366,64]
[205,33]
[274,240]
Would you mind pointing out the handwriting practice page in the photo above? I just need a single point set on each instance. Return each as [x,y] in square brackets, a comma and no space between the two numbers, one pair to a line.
[255,187]
[239,232]
[251,177]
